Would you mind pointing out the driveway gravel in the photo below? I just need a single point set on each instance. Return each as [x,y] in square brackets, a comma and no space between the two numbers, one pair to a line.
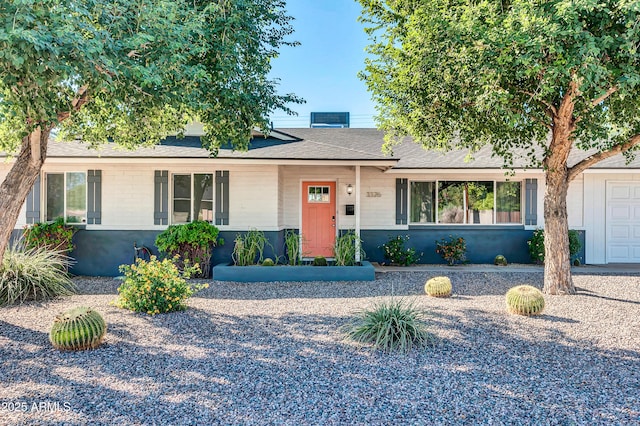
[274,353]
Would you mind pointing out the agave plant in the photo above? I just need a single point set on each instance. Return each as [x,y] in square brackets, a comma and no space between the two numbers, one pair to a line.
[394,325]
[37,273]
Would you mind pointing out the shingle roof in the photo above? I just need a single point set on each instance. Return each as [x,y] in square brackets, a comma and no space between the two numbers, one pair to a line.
[319,144]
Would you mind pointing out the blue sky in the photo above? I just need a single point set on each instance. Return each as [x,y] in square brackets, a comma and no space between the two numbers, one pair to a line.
[323,69]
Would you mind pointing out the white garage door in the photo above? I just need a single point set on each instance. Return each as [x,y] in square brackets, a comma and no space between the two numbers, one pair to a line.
[623,222]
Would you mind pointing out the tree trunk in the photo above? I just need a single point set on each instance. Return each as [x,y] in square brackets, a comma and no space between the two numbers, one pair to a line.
[557,264]
[19,181]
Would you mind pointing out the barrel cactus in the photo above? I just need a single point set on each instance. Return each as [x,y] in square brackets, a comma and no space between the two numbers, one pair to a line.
[77,329]
[319,261]
[525,300]
[438,287]
[500,260]
[268,262]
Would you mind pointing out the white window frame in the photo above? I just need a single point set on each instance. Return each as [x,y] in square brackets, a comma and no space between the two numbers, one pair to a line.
[172,197]
[436,182]
[64,196]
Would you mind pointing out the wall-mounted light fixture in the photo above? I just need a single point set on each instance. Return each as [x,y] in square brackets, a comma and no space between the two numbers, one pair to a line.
[349,189]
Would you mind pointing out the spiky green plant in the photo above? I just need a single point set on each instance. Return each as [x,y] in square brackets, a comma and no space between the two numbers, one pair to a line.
[37,273]
[393,325]
[524,300]
[346,247]
[292,245]
[438,287]
[500,260]
[249,248]
[77,329]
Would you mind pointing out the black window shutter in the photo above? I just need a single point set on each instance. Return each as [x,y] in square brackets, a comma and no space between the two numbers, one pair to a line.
[33,203]
[531,202]
[161,198]
[401,201]
[94,197]
[222,197]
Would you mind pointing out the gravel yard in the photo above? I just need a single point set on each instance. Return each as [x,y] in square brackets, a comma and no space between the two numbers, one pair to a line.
[273,353]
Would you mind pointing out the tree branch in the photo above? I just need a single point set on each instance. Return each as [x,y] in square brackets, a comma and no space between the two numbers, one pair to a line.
[549,106]
[81,99]
[603,155]
[608,93]
[534,118]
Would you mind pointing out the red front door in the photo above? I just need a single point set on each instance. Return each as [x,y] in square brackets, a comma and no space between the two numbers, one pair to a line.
[318,218]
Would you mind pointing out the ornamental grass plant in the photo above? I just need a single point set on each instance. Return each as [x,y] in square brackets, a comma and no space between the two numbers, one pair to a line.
[36,273]
[155,286]
[389,326]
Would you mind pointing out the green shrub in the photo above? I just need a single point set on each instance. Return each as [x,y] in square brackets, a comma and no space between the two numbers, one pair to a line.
[438,287]
[536,245]
[34,274]
[52,235]
[193,244]
[345,247]
[390,326]
[249,248]
[453,250]
[77,329]
[319,261]
[156,286]
[268,262]
[500,260]
[524,300]
[396,253]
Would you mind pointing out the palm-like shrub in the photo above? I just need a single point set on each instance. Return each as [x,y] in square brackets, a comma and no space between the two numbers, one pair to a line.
[524,300]
[77,329]
[193,243]
[438,287]
[391,326]
[37,273]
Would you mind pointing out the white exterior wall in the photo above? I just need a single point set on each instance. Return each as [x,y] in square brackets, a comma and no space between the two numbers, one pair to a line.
[253,198]
[128,193]
[22,218]
[575,203]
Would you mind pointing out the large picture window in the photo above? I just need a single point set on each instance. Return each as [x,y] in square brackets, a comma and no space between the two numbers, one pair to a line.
[66,196]
[465,202]
[192,197]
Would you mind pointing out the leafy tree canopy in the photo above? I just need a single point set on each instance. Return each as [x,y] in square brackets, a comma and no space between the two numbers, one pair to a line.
[133,72]
[453,73]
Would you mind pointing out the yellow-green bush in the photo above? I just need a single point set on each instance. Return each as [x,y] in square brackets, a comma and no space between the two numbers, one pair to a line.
[155,286]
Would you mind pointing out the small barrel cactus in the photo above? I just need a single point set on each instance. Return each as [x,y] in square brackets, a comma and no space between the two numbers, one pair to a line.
[500,260]
[268,262]
[438,287]
[319,261]
[77,329]
[525,300]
